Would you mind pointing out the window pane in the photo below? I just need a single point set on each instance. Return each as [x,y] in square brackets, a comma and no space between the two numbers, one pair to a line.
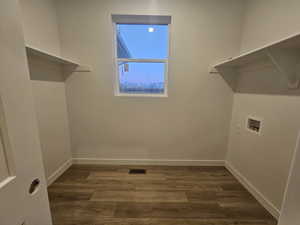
[141,41]
[141,78]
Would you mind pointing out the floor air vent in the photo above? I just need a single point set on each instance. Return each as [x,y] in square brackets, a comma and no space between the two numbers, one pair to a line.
[137,171]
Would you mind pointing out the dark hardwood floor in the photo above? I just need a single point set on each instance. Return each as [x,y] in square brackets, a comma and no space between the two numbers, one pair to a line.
[108,195]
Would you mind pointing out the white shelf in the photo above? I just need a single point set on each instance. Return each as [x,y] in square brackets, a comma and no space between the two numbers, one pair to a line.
[76,67]
[284,55]
[51,57]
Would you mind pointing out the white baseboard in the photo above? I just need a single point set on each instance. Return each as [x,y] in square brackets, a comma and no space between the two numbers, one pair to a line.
[59,172]
[253,190]
[162,162]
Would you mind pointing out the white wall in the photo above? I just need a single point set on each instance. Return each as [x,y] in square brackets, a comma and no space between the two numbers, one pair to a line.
[291,206]
[268,21]
[192,123]
[53,124]
[265,160]
[40,25]
[41,31]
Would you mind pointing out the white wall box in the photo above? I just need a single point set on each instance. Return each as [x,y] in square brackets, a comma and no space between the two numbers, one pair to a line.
[254,124]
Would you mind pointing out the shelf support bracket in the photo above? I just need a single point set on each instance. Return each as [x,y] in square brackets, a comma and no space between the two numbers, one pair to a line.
[229,74]
[287,62]
[213,70]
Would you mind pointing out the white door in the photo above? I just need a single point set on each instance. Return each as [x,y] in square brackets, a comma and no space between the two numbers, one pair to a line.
[20,154]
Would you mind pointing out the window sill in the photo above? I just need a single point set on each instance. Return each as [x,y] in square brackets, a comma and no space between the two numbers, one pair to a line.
[142,95]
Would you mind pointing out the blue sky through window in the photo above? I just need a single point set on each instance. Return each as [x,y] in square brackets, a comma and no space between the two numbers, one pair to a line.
[142,42]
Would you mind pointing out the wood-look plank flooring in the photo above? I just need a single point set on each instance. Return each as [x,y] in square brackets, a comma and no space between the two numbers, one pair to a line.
[108,195]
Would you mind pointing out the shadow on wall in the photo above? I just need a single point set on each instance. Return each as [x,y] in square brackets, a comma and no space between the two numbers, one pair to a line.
[45,70]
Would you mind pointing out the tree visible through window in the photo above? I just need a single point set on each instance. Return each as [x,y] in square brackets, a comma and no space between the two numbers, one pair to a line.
[142,58]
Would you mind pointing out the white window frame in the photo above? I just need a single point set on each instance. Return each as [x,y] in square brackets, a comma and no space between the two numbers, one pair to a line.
[117,60]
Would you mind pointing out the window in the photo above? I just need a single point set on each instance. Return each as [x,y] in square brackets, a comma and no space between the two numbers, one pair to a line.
[141,44]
